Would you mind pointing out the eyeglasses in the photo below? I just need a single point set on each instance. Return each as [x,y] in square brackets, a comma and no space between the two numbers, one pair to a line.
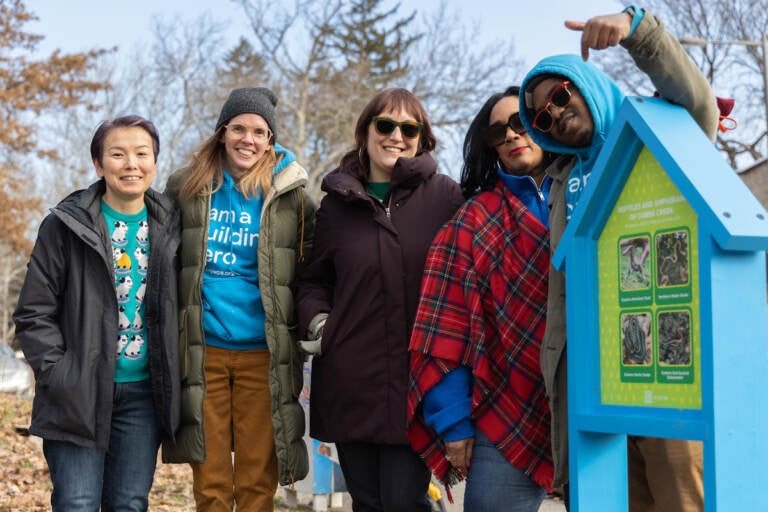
[559,97]
[239,131]
[385,126]
[496,134]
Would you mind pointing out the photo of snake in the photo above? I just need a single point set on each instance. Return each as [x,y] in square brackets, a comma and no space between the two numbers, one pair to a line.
[672,259]
[675,338]
[636,339]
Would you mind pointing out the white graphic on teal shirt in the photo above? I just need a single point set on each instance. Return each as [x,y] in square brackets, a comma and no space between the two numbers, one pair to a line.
[119,233]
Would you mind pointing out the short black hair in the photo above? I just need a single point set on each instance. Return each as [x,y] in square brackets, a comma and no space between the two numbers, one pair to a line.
[97,143]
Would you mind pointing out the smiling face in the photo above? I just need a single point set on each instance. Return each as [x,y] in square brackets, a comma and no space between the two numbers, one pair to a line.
[573,124]
[127,166]
[384,150]
[518,153]
[246,138]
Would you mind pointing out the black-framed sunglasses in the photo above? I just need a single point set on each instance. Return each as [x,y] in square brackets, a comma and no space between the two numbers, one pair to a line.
[496,134]
[559,97]
[385,126]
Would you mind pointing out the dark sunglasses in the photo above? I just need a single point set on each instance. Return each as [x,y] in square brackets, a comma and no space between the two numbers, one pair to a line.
[496,134]
[385,126]
[559,97]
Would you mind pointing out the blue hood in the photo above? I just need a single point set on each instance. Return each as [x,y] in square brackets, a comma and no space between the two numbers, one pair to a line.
[284,158]
[602,95]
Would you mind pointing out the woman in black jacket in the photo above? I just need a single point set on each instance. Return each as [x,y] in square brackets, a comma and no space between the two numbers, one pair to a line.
[97,321]
[383,207]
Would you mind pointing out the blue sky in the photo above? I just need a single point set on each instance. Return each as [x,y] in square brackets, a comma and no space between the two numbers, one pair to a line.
[536,26]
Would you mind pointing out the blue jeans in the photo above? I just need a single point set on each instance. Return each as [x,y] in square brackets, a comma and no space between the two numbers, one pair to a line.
[121,478]
[495,485]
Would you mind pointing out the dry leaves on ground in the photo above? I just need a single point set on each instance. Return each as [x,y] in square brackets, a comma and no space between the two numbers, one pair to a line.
[26,487]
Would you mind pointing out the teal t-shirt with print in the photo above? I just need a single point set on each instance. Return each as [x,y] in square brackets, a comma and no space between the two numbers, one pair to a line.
[130,254]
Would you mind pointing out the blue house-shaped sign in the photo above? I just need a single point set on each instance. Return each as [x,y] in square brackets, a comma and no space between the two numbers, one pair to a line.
[666,304]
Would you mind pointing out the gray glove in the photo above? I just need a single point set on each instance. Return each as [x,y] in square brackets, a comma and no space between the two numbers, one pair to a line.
[315,335]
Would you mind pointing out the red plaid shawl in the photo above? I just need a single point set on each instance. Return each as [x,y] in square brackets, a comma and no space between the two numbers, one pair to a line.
[483,305]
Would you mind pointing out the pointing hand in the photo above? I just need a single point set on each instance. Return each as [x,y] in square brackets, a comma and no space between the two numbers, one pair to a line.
[601,32]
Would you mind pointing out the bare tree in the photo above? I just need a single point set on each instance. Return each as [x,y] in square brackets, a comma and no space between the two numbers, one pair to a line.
[296,44]
[733,68]
[326,59]
[178,87]
[323,59]
[31,87]
[12,270]
[173,79]
[72,129]
[454,75]
[178,79]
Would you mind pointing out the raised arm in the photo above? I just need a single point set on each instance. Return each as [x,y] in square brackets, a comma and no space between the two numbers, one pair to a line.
[659,55]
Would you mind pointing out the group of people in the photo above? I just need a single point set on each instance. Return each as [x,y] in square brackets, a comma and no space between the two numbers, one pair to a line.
[435,323]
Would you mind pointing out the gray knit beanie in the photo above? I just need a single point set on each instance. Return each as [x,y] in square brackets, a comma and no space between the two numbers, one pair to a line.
[249,100]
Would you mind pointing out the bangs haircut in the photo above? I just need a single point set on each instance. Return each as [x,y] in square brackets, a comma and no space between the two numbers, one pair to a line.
[356,161]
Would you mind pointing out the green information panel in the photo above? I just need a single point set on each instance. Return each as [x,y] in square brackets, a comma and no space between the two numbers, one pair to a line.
[648,287]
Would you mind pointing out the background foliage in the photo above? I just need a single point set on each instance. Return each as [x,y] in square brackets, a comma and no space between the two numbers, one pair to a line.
[325,59]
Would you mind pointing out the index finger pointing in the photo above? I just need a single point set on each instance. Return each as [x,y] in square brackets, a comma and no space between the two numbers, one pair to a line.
[579,26]
[575,25]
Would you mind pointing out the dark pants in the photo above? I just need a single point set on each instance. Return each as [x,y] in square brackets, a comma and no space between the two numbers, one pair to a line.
[384,478]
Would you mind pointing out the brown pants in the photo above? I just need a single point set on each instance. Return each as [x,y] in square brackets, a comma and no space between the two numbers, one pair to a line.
[665,475]
[237,417]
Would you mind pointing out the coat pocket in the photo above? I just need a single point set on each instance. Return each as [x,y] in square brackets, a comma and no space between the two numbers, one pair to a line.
[69,397]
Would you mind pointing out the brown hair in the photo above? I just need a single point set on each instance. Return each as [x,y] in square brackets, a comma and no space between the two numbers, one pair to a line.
[356,161]
[207,166]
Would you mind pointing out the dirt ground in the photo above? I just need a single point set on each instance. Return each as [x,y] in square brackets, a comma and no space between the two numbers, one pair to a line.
[26,487]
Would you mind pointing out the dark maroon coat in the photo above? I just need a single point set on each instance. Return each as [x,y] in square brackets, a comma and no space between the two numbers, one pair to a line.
[365,271]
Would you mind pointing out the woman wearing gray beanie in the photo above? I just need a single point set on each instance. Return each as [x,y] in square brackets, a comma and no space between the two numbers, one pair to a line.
[246,226]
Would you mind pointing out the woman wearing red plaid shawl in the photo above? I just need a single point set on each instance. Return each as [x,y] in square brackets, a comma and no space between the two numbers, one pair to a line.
[476,401]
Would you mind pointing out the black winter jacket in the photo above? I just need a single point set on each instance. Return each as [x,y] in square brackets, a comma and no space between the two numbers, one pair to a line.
[67,315]
[365,271]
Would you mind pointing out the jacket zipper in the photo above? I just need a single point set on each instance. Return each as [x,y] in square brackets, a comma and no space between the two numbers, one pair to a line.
[387,207]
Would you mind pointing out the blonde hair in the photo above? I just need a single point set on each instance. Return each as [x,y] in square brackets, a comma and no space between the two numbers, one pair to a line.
[206,168]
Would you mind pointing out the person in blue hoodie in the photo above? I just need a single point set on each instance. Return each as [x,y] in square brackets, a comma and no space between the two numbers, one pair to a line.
[246,225]
[570,107]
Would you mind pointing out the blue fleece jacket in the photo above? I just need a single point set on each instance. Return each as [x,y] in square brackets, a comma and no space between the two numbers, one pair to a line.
[603,97]
[533,197]
[233,315]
